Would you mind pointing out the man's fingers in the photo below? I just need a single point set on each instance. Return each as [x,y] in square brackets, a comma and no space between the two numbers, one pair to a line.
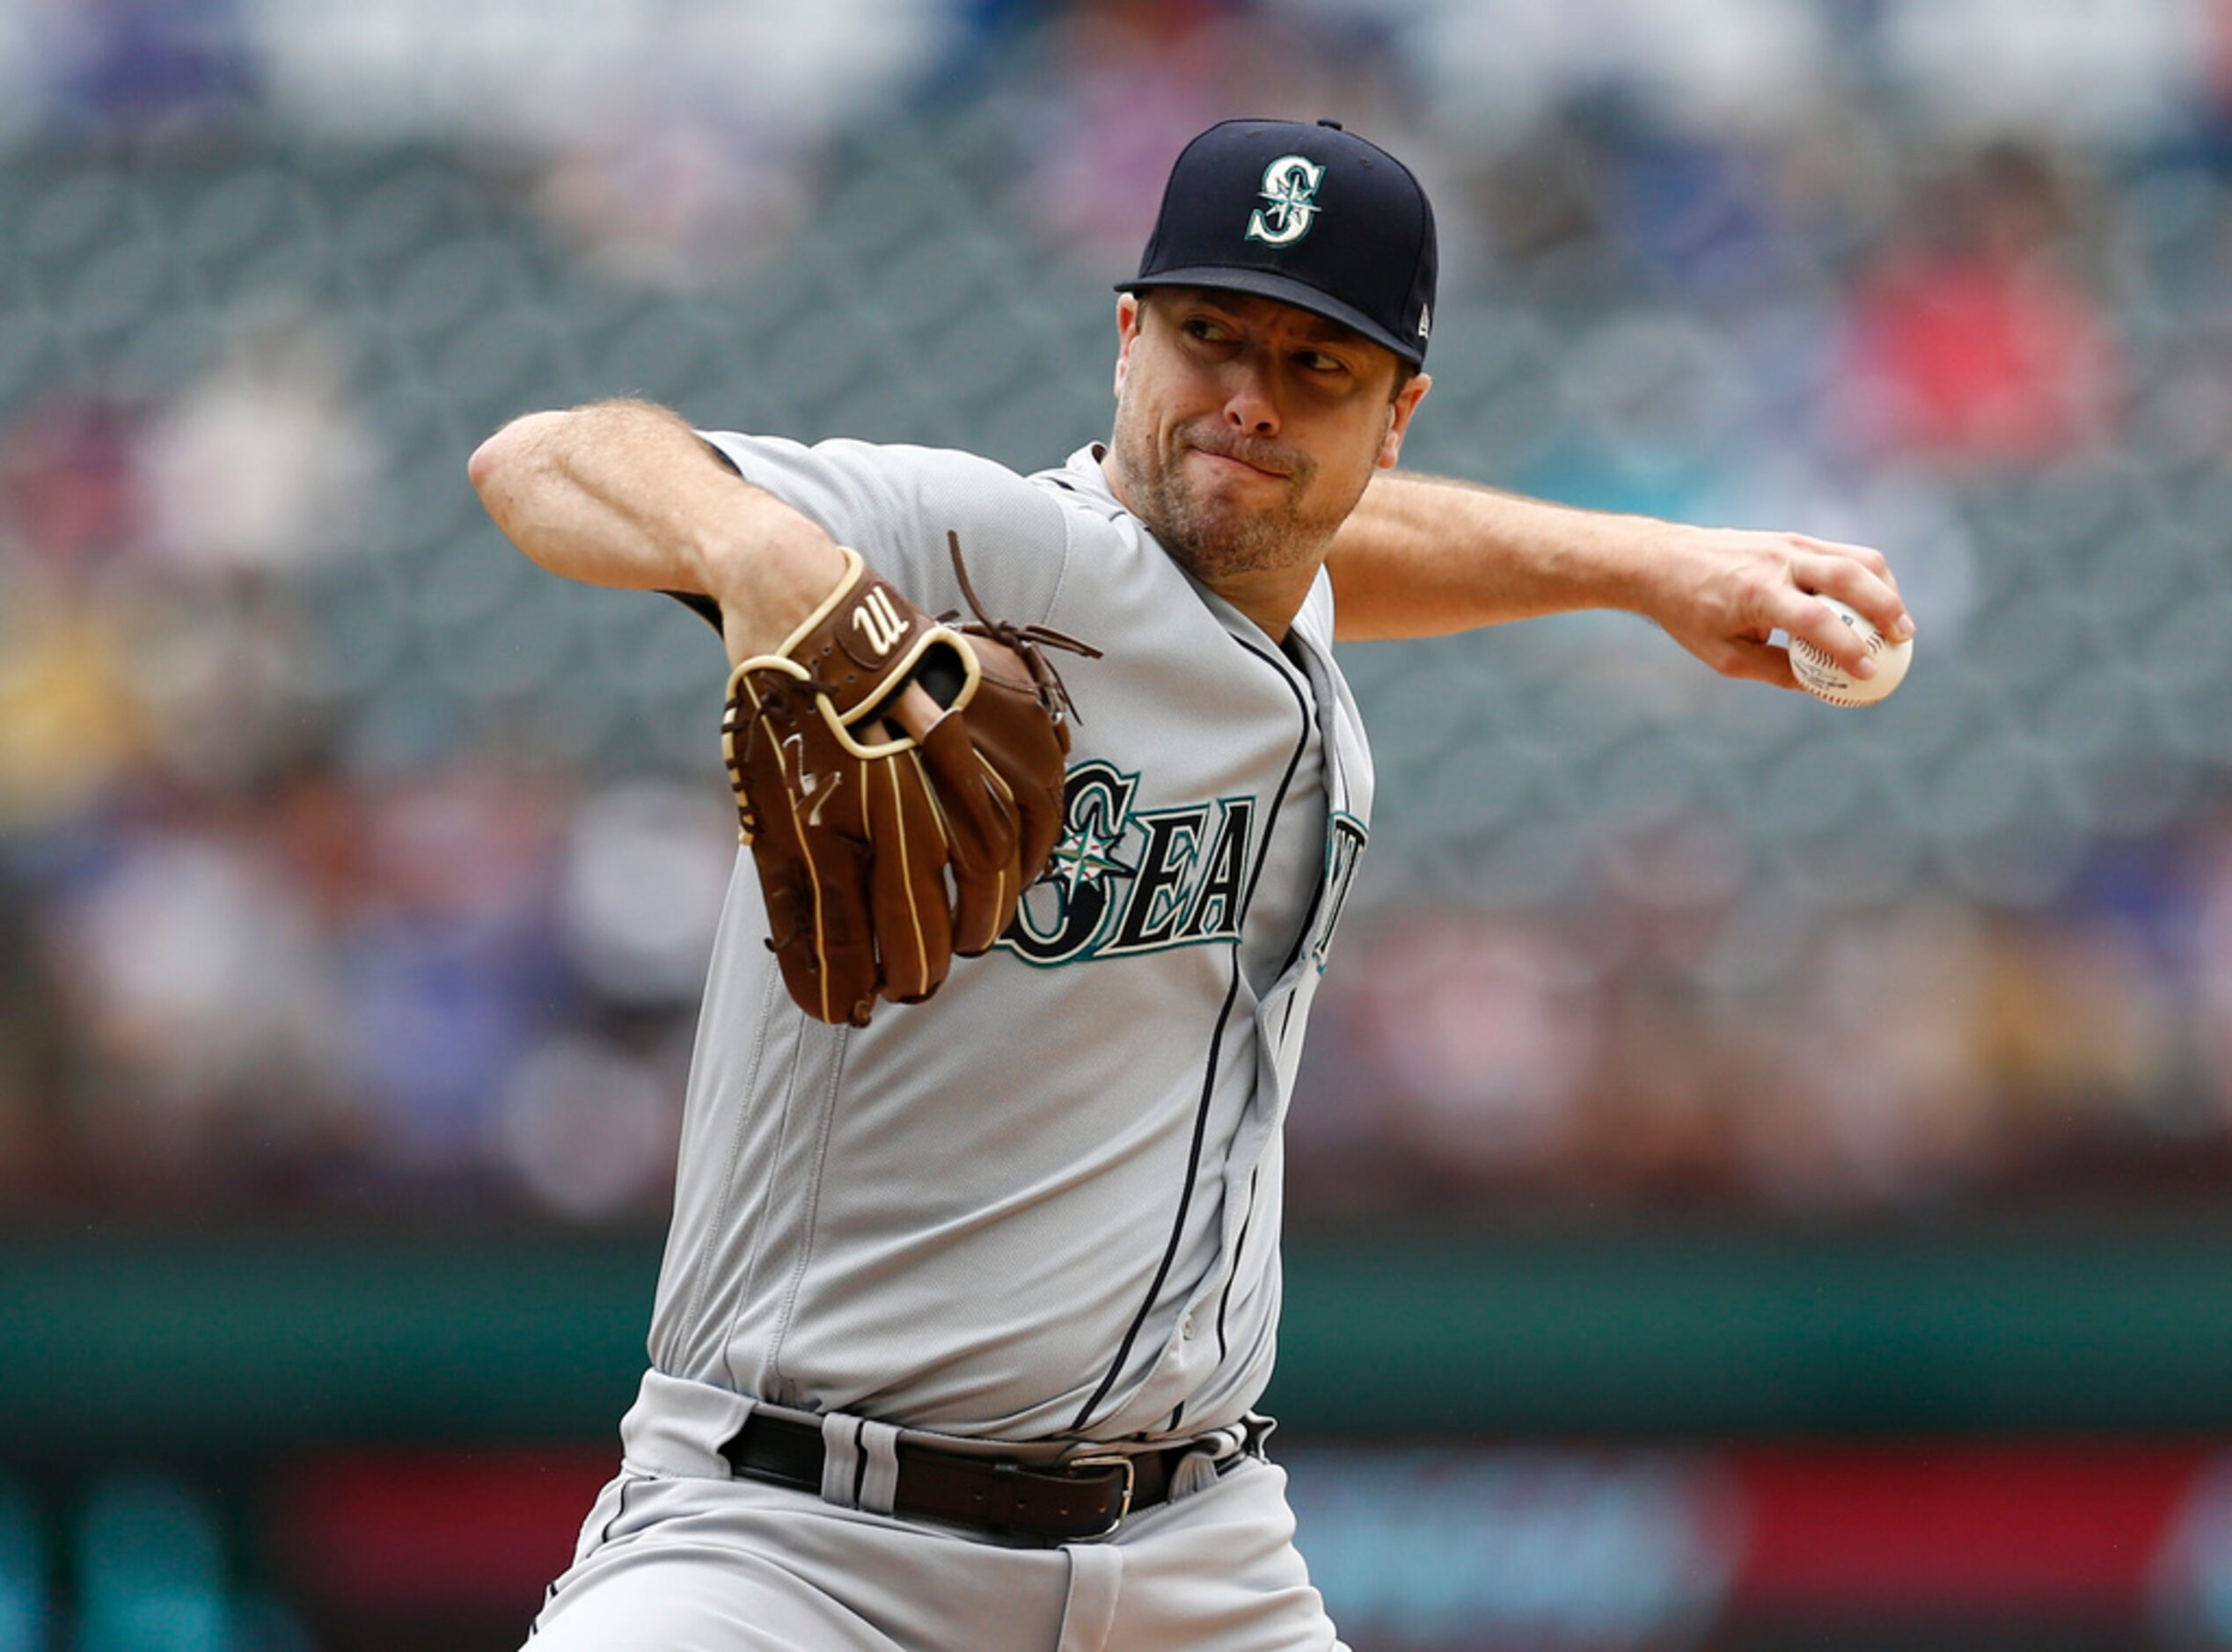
[1740,585]
[1854,581]
[1866,555]
[1813,619]
[1856,576]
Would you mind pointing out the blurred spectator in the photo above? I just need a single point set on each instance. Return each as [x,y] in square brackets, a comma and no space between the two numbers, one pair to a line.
[677,191]
[1687,65]
[1542,202]
[70,726]
[1975,337]
[639,892]
[69,493]
[154,71]
[447,967]
[2077,1029]
[589,1127]
[227,681]
[1869,1089]
[1479,1033]
[263,466]
[2110,75]
[201,1000]
[1121,82]
[1699,214]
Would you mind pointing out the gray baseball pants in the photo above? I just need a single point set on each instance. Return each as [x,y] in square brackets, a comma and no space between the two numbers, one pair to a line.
[704,1563]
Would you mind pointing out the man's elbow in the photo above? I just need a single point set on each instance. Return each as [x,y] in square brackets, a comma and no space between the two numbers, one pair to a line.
[486,460]
[506,452]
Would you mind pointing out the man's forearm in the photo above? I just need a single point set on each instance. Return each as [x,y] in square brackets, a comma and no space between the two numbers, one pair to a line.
[1423,555]
[624,494]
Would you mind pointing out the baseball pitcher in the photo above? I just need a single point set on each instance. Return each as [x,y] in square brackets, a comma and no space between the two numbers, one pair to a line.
[1051,795]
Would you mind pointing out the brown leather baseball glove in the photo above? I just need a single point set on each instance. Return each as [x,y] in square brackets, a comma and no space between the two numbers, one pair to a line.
[899,782]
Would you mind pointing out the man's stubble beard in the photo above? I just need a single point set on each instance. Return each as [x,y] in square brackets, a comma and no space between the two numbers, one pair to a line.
[1209,538]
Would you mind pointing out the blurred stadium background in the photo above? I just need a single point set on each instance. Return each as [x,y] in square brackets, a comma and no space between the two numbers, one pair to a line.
[1763,1173]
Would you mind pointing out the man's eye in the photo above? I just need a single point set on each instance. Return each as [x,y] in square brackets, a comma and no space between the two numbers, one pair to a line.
[1205,329]
[1319,361]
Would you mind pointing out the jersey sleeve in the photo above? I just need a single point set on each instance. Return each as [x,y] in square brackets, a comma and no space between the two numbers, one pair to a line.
[894,505]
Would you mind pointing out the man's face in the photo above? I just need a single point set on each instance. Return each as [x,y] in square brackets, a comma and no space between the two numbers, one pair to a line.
[1246,429]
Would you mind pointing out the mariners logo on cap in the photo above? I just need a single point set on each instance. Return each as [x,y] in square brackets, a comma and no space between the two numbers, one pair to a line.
[1291,185]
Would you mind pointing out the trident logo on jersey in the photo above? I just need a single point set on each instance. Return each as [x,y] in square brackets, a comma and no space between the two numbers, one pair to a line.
[1291,185]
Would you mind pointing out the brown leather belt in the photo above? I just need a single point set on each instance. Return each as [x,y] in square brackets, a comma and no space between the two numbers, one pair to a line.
[1086,1497]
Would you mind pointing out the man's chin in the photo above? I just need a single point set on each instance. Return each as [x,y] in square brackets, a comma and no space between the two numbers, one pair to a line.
[1217,530]
[1213,544]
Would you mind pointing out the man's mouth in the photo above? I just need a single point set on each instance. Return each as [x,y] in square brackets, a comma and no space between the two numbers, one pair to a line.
[1246,457]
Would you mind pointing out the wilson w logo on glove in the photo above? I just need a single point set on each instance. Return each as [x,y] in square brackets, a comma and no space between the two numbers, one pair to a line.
[878,618]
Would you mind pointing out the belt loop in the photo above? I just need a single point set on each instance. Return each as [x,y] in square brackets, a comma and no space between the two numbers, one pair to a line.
[1195,1471]
[880,1480]
[1000,1495]
[841,1459]
[728,1447]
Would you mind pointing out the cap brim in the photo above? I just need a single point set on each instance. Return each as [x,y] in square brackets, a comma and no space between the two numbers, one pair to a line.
[1287,290]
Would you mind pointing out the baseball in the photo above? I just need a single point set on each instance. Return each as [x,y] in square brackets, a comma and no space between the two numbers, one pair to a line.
[1825,680]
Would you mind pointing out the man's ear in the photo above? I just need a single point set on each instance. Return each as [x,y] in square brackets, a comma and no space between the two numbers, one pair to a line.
[1406,402]
[1128,317]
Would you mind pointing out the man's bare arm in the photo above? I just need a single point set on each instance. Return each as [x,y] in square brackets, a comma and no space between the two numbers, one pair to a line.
[624,494]
[1422,555]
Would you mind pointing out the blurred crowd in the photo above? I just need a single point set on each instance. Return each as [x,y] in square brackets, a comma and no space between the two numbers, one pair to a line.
[341,857]
[1663,1039]
[249,957]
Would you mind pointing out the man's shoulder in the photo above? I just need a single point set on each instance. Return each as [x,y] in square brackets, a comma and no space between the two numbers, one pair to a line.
[1068,482]
[896,459]
[923,459]
[917,455]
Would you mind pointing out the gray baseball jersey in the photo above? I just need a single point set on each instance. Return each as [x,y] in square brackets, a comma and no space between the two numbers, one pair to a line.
[1045,1203]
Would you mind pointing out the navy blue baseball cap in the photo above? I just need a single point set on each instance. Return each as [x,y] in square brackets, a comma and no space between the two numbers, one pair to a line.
[1311,215]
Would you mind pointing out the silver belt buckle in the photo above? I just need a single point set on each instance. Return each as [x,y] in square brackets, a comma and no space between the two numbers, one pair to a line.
[1114,1459]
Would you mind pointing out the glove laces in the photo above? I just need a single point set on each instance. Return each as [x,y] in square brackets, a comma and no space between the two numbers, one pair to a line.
[1026,641]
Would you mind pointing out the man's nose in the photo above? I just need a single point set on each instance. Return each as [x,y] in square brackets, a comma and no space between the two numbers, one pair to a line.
[1249,402]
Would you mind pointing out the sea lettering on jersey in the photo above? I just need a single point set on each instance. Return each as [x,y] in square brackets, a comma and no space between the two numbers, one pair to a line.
[1124,881]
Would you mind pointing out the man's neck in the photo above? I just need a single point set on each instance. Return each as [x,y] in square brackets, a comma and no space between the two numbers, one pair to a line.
[1270,599]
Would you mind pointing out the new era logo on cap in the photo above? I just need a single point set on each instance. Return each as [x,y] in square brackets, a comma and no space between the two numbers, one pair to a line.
[1311,215]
